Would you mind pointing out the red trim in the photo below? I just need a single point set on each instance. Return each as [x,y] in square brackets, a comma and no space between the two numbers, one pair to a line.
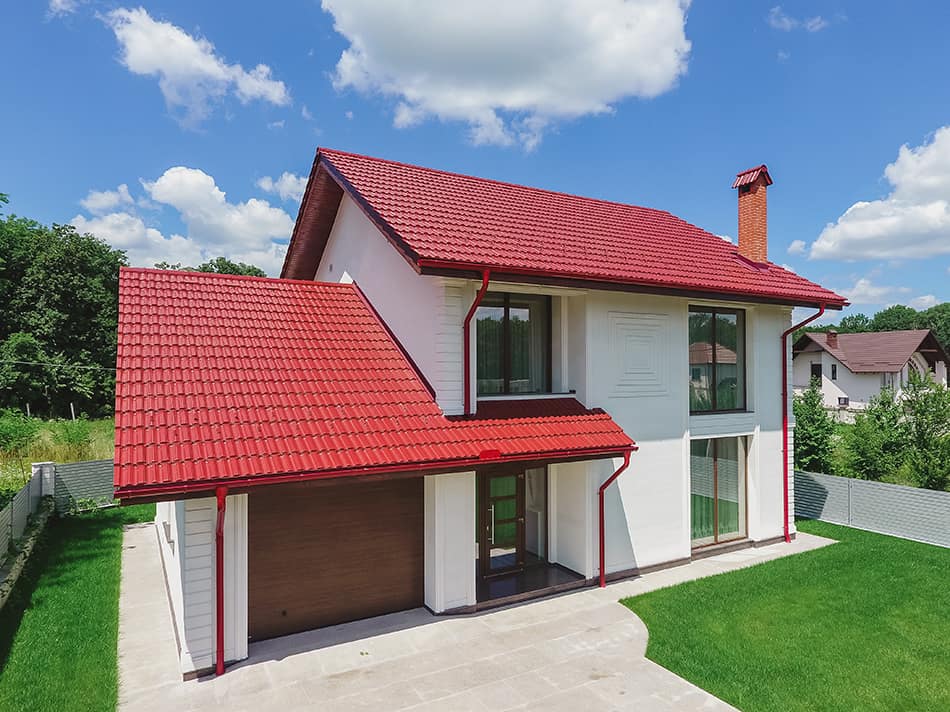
[467,341]
[182,488]
[221,493]
[600,496]
[821,310]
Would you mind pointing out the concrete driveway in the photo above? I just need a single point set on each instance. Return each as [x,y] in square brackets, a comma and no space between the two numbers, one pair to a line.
[578,651]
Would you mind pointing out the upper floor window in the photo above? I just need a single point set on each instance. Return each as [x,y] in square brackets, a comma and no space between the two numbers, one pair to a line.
[716,360]
[513,337]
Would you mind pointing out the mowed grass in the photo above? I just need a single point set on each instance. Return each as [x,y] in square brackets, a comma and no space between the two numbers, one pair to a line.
[58,632]
[863,624]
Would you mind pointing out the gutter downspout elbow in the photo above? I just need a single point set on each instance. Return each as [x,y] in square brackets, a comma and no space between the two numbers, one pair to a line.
[600,497]
[796,327]
[467,342]
[221,493]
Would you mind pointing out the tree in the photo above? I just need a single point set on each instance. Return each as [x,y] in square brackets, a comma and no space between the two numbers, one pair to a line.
[60,295]
[854,324]
[895,318]
[937,319]
[813,431]
[218,265]
[877,444]
[927,407]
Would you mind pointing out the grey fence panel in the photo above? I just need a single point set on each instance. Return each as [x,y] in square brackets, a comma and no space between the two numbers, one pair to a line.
[6,520]
[20,506]
[822,497]
[35,486]
[908,512]
[89,480]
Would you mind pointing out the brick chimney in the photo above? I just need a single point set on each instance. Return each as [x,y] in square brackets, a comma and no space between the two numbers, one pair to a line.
[832,339]
[753,213]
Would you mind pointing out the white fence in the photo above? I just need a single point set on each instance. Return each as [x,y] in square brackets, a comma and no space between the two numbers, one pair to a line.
[907,512]
[13,517]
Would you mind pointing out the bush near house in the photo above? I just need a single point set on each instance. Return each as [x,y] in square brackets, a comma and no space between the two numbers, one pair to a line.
[814,429]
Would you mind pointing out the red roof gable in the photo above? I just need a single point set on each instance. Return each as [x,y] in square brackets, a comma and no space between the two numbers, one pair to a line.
[224,379]
[446,220]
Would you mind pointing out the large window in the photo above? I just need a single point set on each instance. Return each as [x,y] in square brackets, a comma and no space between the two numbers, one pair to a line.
[716,360]
[513,337]
[717,490]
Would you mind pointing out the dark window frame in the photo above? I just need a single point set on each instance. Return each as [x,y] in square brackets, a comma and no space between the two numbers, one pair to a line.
[714,312]
[834,372]
[506,348]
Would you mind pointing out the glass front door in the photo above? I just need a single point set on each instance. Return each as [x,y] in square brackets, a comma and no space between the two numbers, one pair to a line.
[717,490]
[501,544]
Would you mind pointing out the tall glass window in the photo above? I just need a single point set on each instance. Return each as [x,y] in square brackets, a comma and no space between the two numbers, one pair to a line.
[717,490]
[513,337]
[716,360]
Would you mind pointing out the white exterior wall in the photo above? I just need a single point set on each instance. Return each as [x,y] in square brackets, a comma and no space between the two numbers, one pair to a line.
[189,560]
[570,529]
[450,547]
[422,311]
[858,387]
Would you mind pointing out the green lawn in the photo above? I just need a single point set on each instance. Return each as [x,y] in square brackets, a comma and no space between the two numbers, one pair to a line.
[58,632]
[863,624]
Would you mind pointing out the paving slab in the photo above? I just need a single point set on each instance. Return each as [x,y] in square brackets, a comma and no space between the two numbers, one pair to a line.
[579,650]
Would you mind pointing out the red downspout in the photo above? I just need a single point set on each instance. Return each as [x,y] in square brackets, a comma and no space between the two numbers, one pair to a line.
[821,310]
[467,342]
[600,495]
[221,493]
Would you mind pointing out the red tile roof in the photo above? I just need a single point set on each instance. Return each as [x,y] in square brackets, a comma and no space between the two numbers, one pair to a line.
[230,379]
[876,351]
[751,176]
[448,220]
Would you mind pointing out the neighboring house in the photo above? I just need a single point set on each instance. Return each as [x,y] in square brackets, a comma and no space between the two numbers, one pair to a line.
[853,368]
[435,404]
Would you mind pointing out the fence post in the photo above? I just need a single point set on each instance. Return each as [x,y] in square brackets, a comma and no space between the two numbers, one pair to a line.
[850,499]
[47,480]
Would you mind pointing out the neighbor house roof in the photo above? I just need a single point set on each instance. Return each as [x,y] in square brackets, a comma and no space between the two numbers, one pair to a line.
[224,379]
[445,221]
[876,351]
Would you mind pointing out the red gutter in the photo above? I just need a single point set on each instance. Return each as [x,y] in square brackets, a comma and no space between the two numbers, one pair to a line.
[221,493]
[485,456]
[600,496]
[821,310]
[467,341]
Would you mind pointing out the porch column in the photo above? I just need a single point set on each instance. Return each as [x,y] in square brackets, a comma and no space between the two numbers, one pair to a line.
[449,541]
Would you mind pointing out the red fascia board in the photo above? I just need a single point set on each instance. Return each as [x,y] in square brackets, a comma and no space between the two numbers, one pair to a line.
[181,488]
[473,270]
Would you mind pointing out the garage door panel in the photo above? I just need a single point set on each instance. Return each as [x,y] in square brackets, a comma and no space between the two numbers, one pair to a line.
[322,555]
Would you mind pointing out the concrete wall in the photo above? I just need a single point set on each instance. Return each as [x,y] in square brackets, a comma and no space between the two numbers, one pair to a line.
[186,532]
[449,541]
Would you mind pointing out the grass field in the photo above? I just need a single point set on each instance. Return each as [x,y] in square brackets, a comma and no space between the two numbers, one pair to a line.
[58,631]
[15,471]
[859,625]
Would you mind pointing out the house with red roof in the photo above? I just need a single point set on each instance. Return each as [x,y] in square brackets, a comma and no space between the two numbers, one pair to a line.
[853,368]
[461,393]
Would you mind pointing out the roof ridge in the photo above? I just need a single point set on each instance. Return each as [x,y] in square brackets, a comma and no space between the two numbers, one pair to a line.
[509,184]
[244,277]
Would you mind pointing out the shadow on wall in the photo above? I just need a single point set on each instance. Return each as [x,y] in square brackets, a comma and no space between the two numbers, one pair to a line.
[620,554]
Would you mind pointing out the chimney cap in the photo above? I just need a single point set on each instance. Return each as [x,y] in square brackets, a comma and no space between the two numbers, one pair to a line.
[748,177]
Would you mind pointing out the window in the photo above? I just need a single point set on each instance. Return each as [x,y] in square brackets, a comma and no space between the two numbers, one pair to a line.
[843,401]
[717,490]
[513,337]
[816,371]
[834,372]
[716,360]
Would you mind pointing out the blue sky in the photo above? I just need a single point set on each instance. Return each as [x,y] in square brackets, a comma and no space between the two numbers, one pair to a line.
[199,112]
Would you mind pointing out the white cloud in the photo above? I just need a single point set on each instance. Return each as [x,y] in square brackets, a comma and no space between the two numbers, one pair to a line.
[783,56]
[509,69]
[778,19]
[305,113]
[865,291]
[59,8]
[913,221]
[288,186]
[274,125]
[922,302]
[102,201]
[253,231]
[797,247]
[192,77]
[349,115]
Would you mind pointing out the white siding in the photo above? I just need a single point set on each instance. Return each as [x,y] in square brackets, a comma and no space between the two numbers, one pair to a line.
[449,541]
[858,387]
[570,534]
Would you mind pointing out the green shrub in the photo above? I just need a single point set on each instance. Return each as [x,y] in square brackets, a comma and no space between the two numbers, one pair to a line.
[814,429]
[17,432]
[927,407]
[75,436]
[876,447]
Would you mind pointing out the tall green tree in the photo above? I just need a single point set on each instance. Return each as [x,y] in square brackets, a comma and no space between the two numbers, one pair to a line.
[877,444]
[218,265]
[937,319]
[927,408]
[895,318]
[814,429]
[59,289]
[855,324]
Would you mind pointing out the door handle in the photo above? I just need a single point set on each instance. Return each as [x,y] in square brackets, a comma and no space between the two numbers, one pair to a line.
[491,522]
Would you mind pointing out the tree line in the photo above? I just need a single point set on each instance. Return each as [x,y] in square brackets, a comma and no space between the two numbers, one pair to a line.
[59,291]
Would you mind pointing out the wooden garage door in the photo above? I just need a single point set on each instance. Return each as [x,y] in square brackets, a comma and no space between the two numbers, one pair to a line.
[325,554]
